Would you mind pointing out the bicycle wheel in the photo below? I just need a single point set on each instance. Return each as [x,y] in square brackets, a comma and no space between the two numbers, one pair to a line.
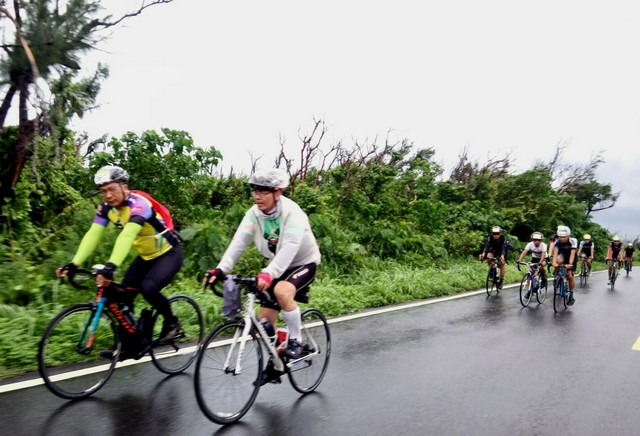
[542,290]
[525,290]
[583,274]
[557,298]
[490,280]
[306,373]
[176,355]
[69,358]
[614,275]
[627,267]
[225,387]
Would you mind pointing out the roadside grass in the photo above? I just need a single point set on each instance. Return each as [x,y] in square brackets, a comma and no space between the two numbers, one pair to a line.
[380,283]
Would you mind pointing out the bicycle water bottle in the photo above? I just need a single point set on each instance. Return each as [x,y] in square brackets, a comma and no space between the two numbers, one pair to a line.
[268,328]
[282,339]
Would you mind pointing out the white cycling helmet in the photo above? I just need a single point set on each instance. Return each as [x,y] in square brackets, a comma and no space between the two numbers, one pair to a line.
[496,229]
[630,244]
[110,173]
[274,178]
[536,235]
[616,238]
[563,231]
[587,237]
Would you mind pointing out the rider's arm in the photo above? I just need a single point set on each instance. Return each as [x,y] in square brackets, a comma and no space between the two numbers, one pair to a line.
[572,256]
[241,240]
[89,243]
[555,256]
[123,243]
[522,255]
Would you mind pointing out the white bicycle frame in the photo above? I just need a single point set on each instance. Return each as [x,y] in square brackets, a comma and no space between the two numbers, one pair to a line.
[240,339]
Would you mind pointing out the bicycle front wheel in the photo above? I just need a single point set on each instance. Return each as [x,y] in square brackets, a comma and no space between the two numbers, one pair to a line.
[227,377]
[176,356]
[490,281]
[557,298]
[542,290]
[69,352]
[306,373]
[525,291]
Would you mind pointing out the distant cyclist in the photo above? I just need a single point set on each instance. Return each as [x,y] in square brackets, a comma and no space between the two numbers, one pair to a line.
[495,247]
[159,253]
[564,253]
[587,248]
[614,252]
[538,250]
[629,252]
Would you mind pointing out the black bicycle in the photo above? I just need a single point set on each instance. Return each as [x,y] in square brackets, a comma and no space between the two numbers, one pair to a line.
[230,367]
[613,275]
[80,347]
[560,289]
[493,278]
[585,270]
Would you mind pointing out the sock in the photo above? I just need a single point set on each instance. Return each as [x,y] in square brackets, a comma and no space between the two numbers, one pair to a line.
[292,320]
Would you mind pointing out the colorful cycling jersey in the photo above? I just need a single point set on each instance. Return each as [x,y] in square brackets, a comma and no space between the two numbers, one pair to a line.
[628,252]
[536,252]
[616,248]
[153,240]
[587,248]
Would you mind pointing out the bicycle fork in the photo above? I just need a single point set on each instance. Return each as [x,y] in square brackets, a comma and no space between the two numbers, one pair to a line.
[90,327]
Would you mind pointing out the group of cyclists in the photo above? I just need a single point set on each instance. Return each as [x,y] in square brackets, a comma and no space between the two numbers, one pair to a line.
[563,250]
[275,224]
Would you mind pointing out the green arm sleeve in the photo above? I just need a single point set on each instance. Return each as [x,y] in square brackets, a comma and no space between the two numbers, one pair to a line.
[124,242]
[89,243]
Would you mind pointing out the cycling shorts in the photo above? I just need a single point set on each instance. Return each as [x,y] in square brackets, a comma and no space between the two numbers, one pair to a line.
[299,276]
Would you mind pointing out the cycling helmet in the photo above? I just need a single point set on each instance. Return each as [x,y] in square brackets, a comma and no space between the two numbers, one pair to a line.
[563,231]
[496,229]
[272,178]
[110,173]
[630,244]
[536,235]
[616,238]
[586,237]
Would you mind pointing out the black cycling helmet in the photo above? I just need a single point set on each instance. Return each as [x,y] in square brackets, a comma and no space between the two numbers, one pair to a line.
[109,174]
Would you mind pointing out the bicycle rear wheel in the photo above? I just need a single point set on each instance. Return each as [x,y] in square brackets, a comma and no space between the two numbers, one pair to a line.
[525,290]
[306,373]
[69,358]
[176,355]
[225,387]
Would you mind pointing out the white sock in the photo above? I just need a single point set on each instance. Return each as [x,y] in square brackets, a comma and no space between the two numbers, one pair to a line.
[292,320]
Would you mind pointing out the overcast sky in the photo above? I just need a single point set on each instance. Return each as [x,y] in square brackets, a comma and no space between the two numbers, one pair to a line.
[493,76]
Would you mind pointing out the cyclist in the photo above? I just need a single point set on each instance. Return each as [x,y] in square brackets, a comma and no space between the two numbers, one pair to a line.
[587,248]
[538,250]
[159,253]
[614,252]
[629,252]
[281,231]
[495,246]
[564,253]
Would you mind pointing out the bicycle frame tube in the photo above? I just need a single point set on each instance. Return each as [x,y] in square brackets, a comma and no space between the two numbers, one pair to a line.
[100,300]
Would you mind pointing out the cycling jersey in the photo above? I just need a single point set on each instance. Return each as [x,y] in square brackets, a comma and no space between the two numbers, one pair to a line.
[587,248]
[496,246]
[536,252]
[616,248]
[565,249]
[153,239]
[628,252]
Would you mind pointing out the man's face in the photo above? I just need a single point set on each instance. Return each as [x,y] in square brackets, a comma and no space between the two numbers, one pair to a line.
[495,235]
[537,242]
[113,193]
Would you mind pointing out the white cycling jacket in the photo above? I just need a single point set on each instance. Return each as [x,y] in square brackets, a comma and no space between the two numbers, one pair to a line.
[296,243]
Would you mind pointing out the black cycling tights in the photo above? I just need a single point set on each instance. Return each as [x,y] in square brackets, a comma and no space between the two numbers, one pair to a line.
[150,276]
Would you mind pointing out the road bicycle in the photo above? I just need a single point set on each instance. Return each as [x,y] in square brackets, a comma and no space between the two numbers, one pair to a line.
[230,366]
[532,284]
[585,270]
[627,265]
[90,338]
[613,275]
[493,277]
[560,289]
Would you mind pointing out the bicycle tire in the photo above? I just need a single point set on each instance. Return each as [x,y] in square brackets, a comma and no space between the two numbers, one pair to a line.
[556,294]
[490,280]
[223,395]
[542,290]
[60,355]
[614,276]
[178,354]
[525,287]
[306,374]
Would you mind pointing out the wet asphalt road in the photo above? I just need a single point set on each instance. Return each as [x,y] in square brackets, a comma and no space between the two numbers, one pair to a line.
[471,366]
